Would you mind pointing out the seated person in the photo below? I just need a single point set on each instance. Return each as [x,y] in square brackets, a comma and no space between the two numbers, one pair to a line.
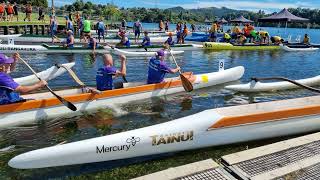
[169,41]
[124,41]
[93,43]
[242,39]
[264,37]
[104,77]
[9,89]
[276,40]
[146,40]
[226,37]
[306,39]
[158,68]
[70,40]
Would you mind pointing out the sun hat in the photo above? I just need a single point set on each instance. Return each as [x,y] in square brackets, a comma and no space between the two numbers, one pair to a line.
[5,60]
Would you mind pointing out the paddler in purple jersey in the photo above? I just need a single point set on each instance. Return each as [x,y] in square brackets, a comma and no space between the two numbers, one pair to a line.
[9,89]
[105,75]
[158,68]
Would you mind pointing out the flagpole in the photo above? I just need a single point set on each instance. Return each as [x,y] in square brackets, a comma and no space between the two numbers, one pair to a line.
[52,7]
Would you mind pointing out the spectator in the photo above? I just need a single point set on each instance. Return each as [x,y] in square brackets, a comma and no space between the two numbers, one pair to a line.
[10,12]
[41,15]
[15,9]
[28,10]
[2,9]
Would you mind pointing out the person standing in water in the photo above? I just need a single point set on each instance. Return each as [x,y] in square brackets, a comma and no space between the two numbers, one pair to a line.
[101,28]
[137,28]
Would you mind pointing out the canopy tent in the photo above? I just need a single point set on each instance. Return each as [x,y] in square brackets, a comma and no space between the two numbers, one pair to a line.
[223,21]
[283,16]
[241,19]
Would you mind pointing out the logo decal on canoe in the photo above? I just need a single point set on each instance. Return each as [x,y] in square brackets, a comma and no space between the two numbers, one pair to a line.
[172,138]
[130,143]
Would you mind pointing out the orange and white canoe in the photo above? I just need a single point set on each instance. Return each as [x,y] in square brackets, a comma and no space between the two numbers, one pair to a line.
[208,128]
[44,105]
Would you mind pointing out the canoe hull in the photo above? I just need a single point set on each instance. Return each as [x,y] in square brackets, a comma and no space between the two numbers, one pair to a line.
[176,135]
[46,75]
[273,86]
[228,46]
[295,49]
[32,49]
[34,115]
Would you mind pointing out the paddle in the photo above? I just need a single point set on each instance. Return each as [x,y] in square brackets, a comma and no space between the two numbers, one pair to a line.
[187,85]
[62,100]
[288,80]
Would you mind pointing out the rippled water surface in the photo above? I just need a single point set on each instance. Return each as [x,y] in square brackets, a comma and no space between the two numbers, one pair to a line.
[295,65]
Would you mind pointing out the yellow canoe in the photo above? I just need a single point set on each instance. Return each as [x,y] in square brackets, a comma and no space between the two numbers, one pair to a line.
[229,46]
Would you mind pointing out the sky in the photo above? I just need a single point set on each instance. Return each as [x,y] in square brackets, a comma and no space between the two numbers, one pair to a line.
[251,5]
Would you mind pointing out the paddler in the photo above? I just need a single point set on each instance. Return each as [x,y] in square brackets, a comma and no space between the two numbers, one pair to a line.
[124,39]
[254,36]
[242,39]
[158,68]
[306,39]
[93,43]
[146,40]
[104,78]
[235,32]
[213,32]
[170,40]
[70,40]
[9,89]
[276,40]
[264,37]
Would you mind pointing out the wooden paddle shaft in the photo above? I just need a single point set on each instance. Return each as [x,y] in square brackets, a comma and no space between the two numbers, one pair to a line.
[174,59]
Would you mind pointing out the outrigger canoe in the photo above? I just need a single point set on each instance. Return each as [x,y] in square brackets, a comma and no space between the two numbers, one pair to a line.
[213,127]
[140,53]
[254,86]
[177,47]
[45,48]
[296,49]
[46,106]
[229,46]
[46,75]
[47,39]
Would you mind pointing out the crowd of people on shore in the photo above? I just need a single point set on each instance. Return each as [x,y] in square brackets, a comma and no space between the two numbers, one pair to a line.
[10,12]
[247,34]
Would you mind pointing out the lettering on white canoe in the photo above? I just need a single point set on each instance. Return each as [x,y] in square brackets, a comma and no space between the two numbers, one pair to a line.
[131,142]
[18,49]
[172,138]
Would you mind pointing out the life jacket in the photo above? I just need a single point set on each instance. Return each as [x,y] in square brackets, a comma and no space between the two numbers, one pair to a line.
[1,9]
[146,41]
[104,78]
[155,72]
[263,33]
[9,96]
[69,41]
[10,9]
[91,43]
[69,25]
[170,41]
[127,43]
[306,40]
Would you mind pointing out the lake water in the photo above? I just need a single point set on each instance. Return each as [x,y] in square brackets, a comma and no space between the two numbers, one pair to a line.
[295,65]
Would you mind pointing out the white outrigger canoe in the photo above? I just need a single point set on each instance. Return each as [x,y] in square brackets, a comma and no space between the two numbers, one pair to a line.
[45,48]
[46,106]
[297,49]
[47,39]
[46,75]
[140,53]
[208,128]
[176,47]
[5,37]
[254,86]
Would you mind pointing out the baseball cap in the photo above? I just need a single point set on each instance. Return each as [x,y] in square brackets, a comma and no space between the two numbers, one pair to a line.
[5,60]
[160,53]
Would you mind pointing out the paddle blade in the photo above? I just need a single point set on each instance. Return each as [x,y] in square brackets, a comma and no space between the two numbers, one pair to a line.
[67,103]
[187,85]
[63,101]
